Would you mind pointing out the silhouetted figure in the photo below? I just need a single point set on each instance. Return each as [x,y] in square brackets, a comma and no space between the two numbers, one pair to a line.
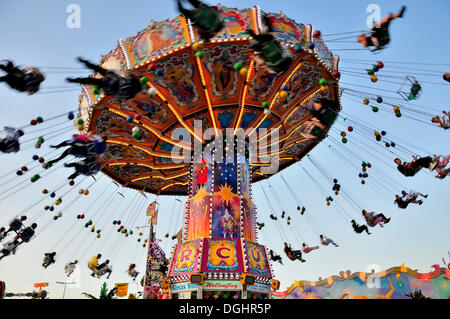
[293,254]
[379,36]
[359,228]
[269,51]
[26,80]
[10,143]
[274,257]
[123,87]
[205,18]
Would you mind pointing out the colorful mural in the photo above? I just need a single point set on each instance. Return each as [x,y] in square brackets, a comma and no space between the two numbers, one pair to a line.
[156,39]
[200,201]
[156,259]
[185,259]
[220,63]
[236,22]
[256,259]
[178,79]
[261,85]
[226,202]
[222,255]
[394,283]
[287,30]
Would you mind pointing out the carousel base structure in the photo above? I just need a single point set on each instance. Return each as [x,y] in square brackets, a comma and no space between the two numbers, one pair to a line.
[220,269]
[395,283]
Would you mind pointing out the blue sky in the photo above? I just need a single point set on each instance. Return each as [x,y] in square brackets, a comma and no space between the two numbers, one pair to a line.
[35,33]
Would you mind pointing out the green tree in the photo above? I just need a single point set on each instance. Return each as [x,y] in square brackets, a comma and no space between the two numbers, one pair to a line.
[104,293]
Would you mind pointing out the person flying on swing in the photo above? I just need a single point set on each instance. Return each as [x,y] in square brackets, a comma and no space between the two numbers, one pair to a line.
[10,143]
[16,224]
[324,114]
[293,254]
[205,18]
[441,166]
[123,87]
[49,259]
[326,241]
[269,51]
[9,248]
[89,166]
[93,263]
[132,271]
[359,228]
[103,269]
[274,257]
[70,268]
[443,122]
[412,168]
[27,80]
[373,220]
[413,195]
[306,249]
[80,146]
[416,88]
[27,233]
[406,199]
[379,35]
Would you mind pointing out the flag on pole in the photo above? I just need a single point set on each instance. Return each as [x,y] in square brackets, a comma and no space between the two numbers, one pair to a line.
[152,211]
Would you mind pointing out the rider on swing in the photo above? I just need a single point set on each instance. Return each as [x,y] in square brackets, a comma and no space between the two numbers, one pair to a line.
[123,87]
[26,80]
[269,51]
[379,35]
[204,17]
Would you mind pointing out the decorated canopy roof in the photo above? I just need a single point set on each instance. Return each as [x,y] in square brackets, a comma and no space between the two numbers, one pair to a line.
[209,89]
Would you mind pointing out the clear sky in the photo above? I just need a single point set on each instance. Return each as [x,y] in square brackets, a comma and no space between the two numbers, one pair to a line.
[35,33]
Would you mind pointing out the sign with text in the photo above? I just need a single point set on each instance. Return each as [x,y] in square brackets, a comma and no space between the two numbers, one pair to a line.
[222,285]
[183,287]
[259,288]
[122,290]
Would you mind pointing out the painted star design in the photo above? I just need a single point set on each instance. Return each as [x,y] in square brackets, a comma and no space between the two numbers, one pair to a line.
[226,194]
[198,198]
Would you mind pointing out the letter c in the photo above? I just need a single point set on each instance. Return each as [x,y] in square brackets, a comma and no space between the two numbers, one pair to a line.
[221,255]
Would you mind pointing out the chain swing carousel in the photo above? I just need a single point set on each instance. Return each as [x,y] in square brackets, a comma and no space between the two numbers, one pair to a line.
[220,84]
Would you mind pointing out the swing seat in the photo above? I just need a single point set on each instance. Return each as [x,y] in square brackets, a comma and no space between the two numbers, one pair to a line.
[33,80]
[378,49]
[26,234]
[10,146]
[381,34]
[93,269]
[47,261]
[16,225]
[100,273]
[415,89]
[81,149]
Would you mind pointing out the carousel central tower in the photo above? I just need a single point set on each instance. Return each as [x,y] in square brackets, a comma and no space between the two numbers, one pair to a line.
[219,253]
